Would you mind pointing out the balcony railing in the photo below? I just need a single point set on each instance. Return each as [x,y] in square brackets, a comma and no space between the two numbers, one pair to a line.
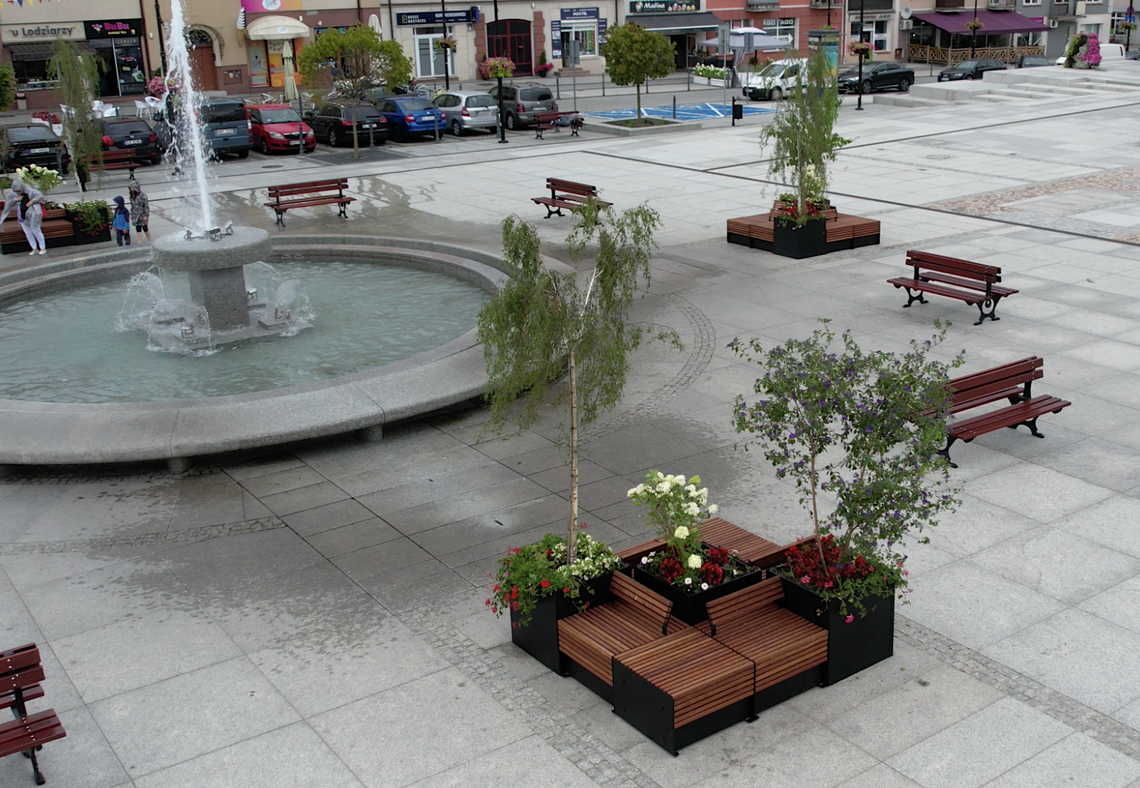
[758,5]
[826,3]
[921,53]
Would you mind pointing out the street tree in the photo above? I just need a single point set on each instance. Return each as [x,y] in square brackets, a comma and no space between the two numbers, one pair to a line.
[634,54]
[78,75]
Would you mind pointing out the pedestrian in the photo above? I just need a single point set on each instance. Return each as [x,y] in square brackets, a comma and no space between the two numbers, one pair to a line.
[140,208]
[122,222]
[28,203]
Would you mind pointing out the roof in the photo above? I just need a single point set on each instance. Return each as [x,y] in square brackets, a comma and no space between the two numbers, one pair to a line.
[992,22]
[664,22]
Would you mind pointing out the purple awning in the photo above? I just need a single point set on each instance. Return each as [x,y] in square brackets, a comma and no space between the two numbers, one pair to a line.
[992,22]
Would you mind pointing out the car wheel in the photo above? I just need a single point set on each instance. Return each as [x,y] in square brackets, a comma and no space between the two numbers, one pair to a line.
[334,138]
[776,94]
[904,85]
[512,121]
[265,146]
[154,160]
[243,154]
[866,86]
[456,129]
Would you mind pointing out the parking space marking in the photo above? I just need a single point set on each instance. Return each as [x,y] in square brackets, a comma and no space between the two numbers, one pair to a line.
[683,112]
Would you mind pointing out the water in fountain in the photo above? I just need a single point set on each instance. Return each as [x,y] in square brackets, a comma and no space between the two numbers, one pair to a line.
[188,133]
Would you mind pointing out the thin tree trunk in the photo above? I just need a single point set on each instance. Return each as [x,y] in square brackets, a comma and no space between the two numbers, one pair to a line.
[572,538]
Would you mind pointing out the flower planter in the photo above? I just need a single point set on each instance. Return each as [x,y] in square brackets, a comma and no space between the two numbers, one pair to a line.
[800,241]
[84,237]
[850,647]
[539,638]
[691,607]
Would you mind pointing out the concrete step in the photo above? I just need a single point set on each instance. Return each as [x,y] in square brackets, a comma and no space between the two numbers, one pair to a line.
[906,100]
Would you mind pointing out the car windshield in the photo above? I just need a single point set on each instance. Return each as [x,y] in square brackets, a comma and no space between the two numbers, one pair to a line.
[229,112]
[967,64]
[280,116]
[480,101]
[414,105]
[773,70]
[31,134]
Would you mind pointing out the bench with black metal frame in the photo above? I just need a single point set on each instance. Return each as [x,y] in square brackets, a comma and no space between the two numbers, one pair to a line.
[308,195]
[967,281]
[568,195]
[21,677]
[545,121]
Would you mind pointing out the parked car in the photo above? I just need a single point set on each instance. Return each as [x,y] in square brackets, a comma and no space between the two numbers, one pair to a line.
[1133,55]
[464,110]
[772,81]
[34,144]
[877,76]
[1033,61]
[970,69]
[278,127]
[130,134]
[335,123]
[520,102]
[1107,52]
[226,127]
[410,115]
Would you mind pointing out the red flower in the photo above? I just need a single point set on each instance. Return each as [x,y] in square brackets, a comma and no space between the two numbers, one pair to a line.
[566,590]
[712,573]
[718,556]
[670,569]
[545,584]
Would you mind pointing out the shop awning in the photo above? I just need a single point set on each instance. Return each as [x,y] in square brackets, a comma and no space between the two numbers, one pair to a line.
[41,50]
[678,23]
[276,28]
[992,22]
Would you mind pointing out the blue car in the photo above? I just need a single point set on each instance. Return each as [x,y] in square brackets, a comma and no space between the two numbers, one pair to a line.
[410,115]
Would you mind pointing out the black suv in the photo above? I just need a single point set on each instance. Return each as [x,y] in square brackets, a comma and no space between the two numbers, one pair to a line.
[877,76]
[520,102]
[34,144]
[130,134]
[334,123]
[970,69]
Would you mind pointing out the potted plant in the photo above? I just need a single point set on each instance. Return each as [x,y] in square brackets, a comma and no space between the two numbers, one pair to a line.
[546,326]
[91,220]
[538,588]
[862,429]
[862,49]
[685,570]
[803,143]
[543,68]
[496,68]
[1083,51]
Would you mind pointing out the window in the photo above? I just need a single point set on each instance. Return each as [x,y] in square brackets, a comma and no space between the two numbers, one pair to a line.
[585,32]
[1031,2]
[784,29]
[875,32]
[429,59]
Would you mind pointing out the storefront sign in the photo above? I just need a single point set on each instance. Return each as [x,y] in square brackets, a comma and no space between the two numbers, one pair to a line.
[69,31]
[663,6]
[424,18]
[579,13]
[112,29]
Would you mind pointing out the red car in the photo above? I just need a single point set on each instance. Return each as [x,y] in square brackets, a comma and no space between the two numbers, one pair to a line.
[278,127]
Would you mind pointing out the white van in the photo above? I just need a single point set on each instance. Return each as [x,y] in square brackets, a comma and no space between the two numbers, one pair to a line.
[773,81]
[1107,52]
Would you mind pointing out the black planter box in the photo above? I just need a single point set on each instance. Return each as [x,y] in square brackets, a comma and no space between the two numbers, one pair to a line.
[799,242]
[84,237]
[850,647]
[690,608]
[539,638]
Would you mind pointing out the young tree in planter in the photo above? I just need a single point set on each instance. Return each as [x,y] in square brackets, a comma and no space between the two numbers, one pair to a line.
[7,85]
[865,428]
[803,135]
[362,63]
[545,326]
[78,74]
[634,55]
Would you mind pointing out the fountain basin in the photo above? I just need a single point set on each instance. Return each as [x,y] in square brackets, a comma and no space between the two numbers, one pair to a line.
[68,433]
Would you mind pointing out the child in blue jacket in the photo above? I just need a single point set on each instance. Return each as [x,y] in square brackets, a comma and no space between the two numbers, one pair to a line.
[122,222]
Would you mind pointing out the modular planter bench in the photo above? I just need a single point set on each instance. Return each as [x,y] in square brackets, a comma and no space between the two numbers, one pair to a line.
[832,232]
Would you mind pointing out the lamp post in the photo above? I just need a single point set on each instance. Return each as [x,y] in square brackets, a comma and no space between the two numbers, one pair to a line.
[859,100]
[974,30]
[161,38]
[1130,18]
[502,127]
[446,52]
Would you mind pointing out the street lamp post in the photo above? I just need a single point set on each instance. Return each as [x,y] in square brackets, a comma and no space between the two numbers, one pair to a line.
[974,30]
[502,126]
[1130,18]
[161,37]
[446,52]
[859,100]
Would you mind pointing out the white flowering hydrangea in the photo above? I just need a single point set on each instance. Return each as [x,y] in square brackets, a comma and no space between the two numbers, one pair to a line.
[677,505]
[682,532]
[695,561]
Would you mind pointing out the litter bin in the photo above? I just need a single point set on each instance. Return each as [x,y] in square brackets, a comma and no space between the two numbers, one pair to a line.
[737,110]
[21,101]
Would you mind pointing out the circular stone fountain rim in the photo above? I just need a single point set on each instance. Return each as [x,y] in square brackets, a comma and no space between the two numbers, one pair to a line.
[44,433]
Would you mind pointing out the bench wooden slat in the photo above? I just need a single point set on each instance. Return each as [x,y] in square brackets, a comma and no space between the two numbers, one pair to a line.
[309,194]
[949,277]
[1022,412]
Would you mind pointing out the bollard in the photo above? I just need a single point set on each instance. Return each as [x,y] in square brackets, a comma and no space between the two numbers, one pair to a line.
[603,85]
[438,136]
[674,108]
[557,88]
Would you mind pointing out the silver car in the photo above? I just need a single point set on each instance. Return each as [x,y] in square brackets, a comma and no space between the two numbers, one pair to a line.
[466,110]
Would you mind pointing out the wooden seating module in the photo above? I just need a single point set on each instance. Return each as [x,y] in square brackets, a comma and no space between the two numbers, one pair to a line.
[950,277]
[116,160]
[1012,382]
[21,677]
[58,231]
[843,230]
[568,195]
[309,194]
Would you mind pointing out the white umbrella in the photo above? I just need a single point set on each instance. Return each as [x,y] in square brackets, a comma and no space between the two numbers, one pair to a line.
[290,83]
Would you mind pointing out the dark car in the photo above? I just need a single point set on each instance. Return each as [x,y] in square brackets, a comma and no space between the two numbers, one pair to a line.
[334,123]
[130,134]
[278,127]
[34,144]
[410,115]
[1033,61]
[520,102]
[970,69]
[877,76]
[225,127]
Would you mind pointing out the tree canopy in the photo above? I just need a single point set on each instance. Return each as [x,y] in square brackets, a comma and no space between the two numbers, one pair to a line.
[78,76]
[353,62]
[634,54]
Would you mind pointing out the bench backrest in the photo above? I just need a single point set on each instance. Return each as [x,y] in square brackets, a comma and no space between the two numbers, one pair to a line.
[994,381]
[288,189]
[584,189]
[635,552]
[20,669]
[654,606]
[952,265]
[745,603]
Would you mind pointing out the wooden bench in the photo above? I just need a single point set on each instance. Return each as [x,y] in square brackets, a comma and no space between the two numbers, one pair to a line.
[568,195]
[973,283]
[20,681]
[308,195]
[545,121]
[590,639]
[116,160]
[682,687]
[1012,382]
[789,652]
[58,231]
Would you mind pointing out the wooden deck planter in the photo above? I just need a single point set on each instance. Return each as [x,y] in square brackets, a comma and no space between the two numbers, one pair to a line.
[841,231]
[691,608]
[539,637]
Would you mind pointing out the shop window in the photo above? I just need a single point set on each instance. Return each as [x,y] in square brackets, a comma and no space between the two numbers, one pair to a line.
[585,32]
[430,61]
[875,32]
[783,29]
[258,64]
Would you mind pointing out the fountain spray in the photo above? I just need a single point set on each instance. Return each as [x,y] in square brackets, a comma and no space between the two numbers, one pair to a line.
[188,128]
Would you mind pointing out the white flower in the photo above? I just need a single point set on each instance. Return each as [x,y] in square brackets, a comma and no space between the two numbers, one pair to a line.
[704,586]
[682,532]
[645,560]
[688,581]
[703,494]
[679,480]
[714,509]
[691,509]
[664,487]
[695,561]
[691,489]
